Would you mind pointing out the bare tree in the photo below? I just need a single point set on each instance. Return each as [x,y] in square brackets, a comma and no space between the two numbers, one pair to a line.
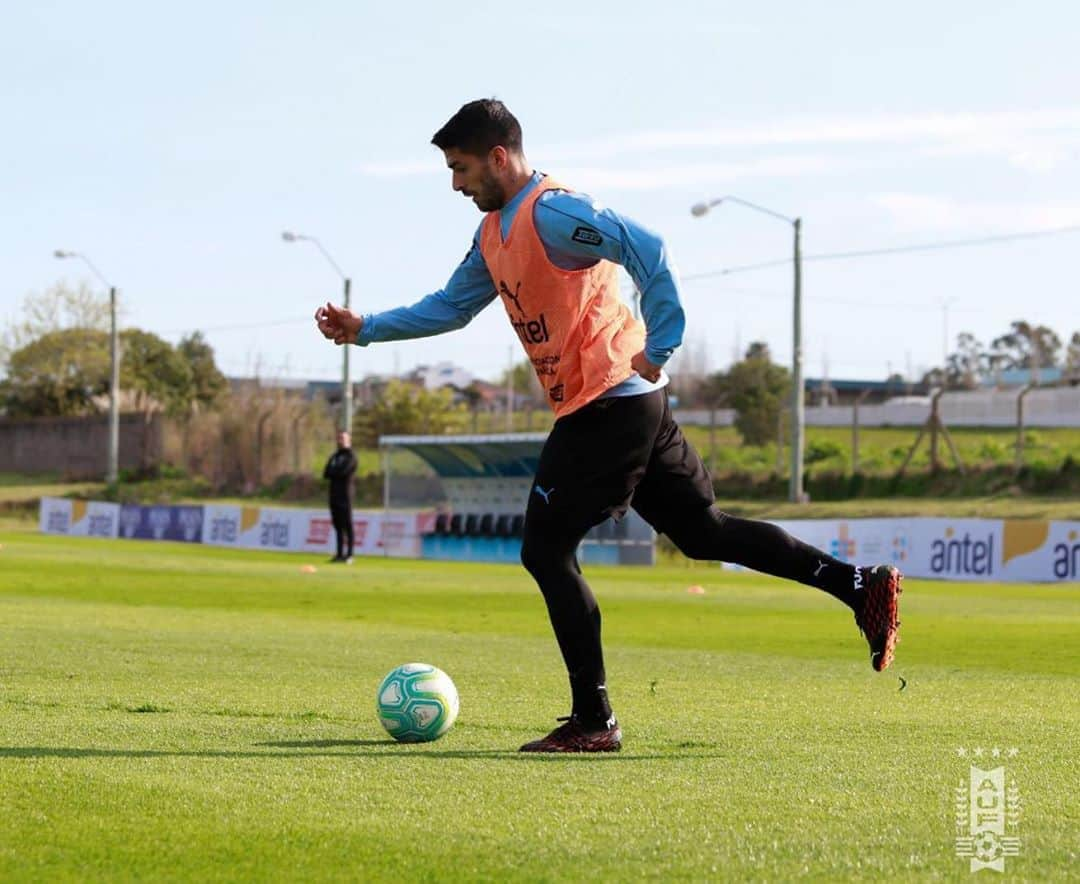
[58,308]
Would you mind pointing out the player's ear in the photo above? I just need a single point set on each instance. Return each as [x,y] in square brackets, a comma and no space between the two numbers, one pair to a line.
[499,157]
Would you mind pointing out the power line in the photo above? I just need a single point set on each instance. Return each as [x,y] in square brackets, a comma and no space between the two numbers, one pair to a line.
[746,268]
[848,302]
[895,250]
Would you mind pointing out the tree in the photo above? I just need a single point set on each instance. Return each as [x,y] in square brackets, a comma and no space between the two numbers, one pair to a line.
[59,373]
[67,373]
[1072,357]
[155,373]
[405,409]
[522,378]
[208,383]
[969,364]
[57,308]
[1026,346]
[756,388]
[473,396]
[689,369]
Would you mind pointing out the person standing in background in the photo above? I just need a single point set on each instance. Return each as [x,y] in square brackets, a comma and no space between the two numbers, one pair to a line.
[340,470]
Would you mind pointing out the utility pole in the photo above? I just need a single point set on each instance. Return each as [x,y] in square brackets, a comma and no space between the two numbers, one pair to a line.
[113,471]
[798,410]
[112,465]
[798,405]
[346,381]
[510,391]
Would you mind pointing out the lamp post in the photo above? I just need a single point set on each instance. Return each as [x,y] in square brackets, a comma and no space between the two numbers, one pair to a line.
[112,466]
[346,384]
[798,413]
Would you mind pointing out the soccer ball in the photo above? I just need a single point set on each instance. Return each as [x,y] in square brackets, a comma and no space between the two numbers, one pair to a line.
[417,703]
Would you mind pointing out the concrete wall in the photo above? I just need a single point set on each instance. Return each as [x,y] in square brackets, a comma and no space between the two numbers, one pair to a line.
[76,447]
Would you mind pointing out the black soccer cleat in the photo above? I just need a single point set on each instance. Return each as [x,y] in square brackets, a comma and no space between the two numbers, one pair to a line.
[573,737]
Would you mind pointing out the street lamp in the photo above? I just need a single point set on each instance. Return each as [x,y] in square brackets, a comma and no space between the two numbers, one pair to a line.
[111,468]
[346,385]
[798,413]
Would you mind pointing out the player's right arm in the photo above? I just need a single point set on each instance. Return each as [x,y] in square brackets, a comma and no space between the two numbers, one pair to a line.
[469,290]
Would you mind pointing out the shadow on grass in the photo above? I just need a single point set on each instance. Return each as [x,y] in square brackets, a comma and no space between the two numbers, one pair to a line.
[382,750]
[327,744]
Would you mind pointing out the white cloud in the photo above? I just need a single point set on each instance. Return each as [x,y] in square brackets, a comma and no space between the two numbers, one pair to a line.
[402,170]
[912,212]
[658,178]
[1033,140]
[839,130]
[1033,152]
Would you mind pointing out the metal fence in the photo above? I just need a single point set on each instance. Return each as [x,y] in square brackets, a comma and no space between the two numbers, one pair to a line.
[1042,407]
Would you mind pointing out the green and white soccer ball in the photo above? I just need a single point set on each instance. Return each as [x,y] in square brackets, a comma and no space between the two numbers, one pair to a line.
[417,703]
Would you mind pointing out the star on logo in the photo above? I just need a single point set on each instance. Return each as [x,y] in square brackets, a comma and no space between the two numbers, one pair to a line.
[961,751]
[996,752]
[978,752]
[1013,752]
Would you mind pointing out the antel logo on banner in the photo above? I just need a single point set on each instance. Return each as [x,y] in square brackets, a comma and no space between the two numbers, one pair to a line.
[963,555]
[1067,557]
[224,527]
[274,529]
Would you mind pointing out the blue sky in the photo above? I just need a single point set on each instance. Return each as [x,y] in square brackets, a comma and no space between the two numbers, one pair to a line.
[173,144]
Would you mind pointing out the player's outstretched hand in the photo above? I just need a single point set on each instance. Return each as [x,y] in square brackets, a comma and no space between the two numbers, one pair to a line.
[338,324]
[640,363]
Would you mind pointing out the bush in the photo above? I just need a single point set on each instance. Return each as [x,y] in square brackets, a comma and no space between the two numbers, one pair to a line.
[992,450]
[822,449]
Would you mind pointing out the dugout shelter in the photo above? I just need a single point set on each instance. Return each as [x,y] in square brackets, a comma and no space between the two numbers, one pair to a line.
[485,482]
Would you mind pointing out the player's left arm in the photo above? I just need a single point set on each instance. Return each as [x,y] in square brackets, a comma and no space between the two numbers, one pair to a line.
[577,232]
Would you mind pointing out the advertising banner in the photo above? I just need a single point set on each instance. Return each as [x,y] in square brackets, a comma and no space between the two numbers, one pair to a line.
[79,518]
[163,522]
[1040,551]
[1021,550]
[251,527]
[375,533]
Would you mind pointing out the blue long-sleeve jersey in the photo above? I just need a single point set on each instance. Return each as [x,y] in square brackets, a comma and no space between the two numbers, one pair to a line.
[559,216]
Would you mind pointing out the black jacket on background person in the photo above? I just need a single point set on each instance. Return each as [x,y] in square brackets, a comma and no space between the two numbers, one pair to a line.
[340,469]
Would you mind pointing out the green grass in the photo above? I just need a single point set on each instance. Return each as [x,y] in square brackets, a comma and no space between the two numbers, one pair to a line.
[193,713]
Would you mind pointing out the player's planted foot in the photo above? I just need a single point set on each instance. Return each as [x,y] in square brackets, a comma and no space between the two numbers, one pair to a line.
[879,618]
[573,736]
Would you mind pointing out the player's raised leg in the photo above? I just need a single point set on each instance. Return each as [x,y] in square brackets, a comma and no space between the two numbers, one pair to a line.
[676,497]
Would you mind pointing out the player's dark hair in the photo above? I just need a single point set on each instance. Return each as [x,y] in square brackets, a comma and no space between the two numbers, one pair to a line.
[478,127]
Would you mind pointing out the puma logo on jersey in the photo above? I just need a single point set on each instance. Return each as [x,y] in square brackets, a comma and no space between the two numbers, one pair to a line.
[820,568]
[514,296]
[545,494]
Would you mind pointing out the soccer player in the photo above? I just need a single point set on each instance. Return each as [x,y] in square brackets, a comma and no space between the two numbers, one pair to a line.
[340,469]
[549,255]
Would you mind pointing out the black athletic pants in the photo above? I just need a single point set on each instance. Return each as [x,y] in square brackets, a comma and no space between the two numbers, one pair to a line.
[341,514]
[628,451]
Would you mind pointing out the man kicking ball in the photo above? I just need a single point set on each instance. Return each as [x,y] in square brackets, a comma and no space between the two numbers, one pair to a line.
[550,255]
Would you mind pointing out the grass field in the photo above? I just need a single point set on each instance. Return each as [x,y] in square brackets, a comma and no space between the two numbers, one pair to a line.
[192,713]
